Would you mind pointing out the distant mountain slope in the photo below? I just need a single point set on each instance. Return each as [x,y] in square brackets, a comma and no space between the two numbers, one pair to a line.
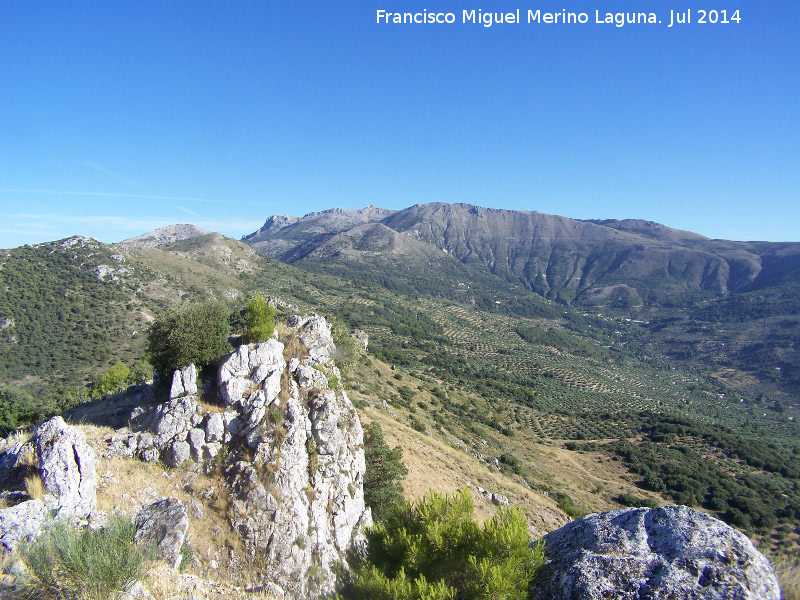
[594,263]
[281,233]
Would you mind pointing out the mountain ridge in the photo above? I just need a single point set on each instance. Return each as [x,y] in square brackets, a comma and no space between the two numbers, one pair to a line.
[630,261]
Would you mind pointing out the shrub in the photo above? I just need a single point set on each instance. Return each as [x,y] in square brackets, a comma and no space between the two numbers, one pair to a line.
[635,501]
[17,407]
[260,320]
[434,550]
[65,563]
[385,470]
[346,347]
[196,333]
[112,380]
[565,504]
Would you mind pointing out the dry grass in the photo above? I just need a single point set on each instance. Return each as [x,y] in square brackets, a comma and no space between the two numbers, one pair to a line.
[788,571]
[34,486]
[434,465]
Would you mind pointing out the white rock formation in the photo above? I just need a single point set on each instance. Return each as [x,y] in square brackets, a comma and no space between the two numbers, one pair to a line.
[295,458]
[67,467]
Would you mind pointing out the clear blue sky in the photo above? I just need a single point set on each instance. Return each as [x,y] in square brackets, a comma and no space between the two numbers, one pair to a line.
[119,117]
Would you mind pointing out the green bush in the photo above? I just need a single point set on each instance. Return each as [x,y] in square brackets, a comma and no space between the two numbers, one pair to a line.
[260,320]
[385,470]
[112,380]
[196,333]
[17,407]
[346,347]
[634,501]
[69,564]
[434,550]
[565,504]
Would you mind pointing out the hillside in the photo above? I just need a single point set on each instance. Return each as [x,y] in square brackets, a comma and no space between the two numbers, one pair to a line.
[539,391]
[744,297]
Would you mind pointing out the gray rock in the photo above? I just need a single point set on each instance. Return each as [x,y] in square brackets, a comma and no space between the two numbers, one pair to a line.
[137,591]
[172,419]
[499,499]
[67,467]
[669,552]
[197,441]
[20,523]
[215,427]
[163,523]
[184,382]
[176,454]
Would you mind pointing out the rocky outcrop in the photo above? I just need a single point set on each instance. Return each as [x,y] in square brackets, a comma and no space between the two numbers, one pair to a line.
[164,524]
[293,461]
[669,552]
[67,467]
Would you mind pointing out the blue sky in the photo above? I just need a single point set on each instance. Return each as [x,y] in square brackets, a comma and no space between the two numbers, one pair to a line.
[120,117]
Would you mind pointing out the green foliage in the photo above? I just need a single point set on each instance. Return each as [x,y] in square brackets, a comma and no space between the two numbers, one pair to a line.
[112,380]
[260,320]
[565,504]
[141,371]
[385,470]
[346,347]
[69,564]
[418,425]
[17,408]
[62,323]
[434,550]
[196,333]
[635,501]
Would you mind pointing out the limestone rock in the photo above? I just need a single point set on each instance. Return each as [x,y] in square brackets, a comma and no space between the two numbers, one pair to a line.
[177,453]
[184,382]
[22,522]
[215,427]
[669,552]
[163,523]
[315,333]
[67,467]
[173,419]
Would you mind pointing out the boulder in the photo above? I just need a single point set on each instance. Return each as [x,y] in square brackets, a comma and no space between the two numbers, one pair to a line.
[21,523]
[163,523]
[670,552]
[215,427]
[67,467]
[176,454]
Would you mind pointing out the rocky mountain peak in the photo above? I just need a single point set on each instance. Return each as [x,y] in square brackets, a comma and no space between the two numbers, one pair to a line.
[168,234]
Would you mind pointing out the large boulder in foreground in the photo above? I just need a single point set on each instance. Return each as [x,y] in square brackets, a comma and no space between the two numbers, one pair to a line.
[67,466]
[670,552]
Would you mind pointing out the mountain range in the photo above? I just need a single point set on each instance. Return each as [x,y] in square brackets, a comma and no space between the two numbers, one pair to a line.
[623,263]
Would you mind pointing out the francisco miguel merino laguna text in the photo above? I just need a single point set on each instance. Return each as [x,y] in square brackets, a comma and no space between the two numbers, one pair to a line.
[487,19]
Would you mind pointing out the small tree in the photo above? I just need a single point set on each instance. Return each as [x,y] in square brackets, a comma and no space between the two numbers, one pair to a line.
[385,470]
[260,319]
[196,333]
